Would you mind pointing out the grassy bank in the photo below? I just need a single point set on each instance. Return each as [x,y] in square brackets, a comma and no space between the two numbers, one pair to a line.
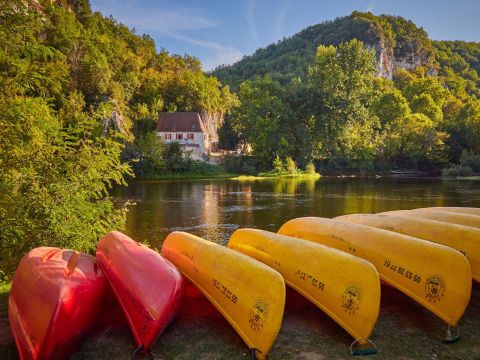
[404,330]
[271,175]
[476,178]
[197,170]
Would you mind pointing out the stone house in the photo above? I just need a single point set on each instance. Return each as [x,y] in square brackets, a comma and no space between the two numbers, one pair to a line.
[188,129]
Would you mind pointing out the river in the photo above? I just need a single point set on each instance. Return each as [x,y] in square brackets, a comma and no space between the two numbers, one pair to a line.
[213,209]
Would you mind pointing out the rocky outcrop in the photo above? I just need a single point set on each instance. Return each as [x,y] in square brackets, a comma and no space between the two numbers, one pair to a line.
[212,122]
[388,63]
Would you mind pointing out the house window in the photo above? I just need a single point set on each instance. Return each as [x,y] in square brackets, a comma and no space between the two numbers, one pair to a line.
[168,136]
[179,136]
[190,136]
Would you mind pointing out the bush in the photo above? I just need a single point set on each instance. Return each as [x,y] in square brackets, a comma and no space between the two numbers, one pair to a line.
[310,168]
[290,165]
[278,165]
[471,160]
[457,170]
[240,164]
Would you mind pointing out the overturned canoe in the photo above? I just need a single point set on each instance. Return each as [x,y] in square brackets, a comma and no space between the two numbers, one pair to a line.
[55,300]
[345,287]
[459,210]
[249,294]
[434,275]
[466,239]
[148,287]
[439,215]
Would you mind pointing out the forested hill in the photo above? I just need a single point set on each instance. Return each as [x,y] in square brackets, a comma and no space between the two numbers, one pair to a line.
[398,43]
[80,94]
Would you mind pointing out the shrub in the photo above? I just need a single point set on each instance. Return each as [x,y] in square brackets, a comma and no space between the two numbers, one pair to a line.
[278,165]
[310,168]
[290,165]
[457,170]
[240,164]
[471,160]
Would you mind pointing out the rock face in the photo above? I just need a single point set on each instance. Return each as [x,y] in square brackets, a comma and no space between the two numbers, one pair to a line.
[212,122]
[398,43]
[388,62]
[385,59]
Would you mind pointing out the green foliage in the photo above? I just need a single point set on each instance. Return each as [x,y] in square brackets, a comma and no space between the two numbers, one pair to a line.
[75,87]
[310,168]
[314,97]
[176,161]
[291,57]
[278,167]
[457,170]
[247,165]
[414,142]
[390,105]
[55,180]
[341,89]
[424,104]
[290,165]
[470,159]
[147,154]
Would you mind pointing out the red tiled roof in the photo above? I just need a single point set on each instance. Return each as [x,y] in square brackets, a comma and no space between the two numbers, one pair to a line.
[180,122]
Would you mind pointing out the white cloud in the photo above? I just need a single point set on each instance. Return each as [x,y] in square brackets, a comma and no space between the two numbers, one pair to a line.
[170,22]
[251,22]
[158,19]
[281,18]
[221,54]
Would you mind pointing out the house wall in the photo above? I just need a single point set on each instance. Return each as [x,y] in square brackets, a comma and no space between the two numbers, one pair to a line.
[198,147]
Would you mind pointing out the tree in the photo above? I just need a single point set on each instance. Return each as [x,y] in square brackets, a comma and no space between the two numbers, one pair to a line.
[263,119]
[278,167]
[389,106]
[424,104]
[290,165]
[341,89]
[414,142]
[54,181]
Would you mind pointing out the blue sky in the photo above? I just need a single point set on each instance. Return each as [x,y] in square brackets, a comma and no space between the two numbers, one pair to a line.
[221,32]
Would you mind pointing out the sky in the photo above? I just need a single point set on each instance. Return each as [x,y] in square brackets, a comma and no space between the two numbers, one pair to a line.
[223,31]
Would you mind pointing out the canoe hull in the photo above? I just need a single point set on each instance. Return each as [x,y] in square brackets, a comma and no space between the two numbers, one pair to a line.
[250,295]
[55,300]
[422,270]
[344,286]
[147,286]
[440,215]
[465,239]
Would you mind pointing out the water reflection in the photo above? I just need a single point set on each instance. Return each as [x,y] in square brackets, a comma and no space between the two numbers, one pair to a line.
[213,209]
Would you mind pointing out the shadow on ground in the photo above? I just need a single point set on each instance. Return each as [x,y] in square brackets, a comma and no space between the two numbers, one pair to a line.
[404,330]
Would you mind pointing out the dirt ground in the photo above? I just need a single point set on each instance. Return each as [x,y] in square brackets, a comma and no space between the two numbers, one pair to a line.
[404,330]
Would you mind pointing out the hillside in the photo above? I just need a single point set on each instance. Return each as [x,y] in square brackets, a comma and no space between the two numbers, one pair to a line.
[361,93]
[398,43]
[80,95]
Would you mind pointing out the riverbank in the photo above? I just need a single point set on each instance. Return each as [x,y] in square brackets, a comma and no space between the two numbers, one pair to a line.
[267,175]
[404,330]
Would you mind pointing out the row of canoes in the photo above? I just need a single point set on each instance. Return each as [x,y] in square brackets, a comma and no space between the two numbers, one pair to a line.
[431,255]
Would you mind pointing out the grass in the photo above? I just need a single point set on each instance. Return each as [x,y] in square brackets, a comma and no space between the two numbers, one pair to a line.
[404,330]
[199,170]
[272,175]
[476,178]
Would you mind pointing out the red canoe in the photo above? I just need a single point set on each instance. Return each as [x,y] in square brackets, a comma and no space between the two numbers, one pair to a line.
[148,287]
[55,300]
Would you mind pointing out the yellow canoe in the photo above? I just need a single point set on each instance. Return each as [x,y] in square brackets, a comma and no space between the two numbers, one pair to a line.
[434,275]
[459,210]
[249,294]
[345,287]
[445,216]
[466,239]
